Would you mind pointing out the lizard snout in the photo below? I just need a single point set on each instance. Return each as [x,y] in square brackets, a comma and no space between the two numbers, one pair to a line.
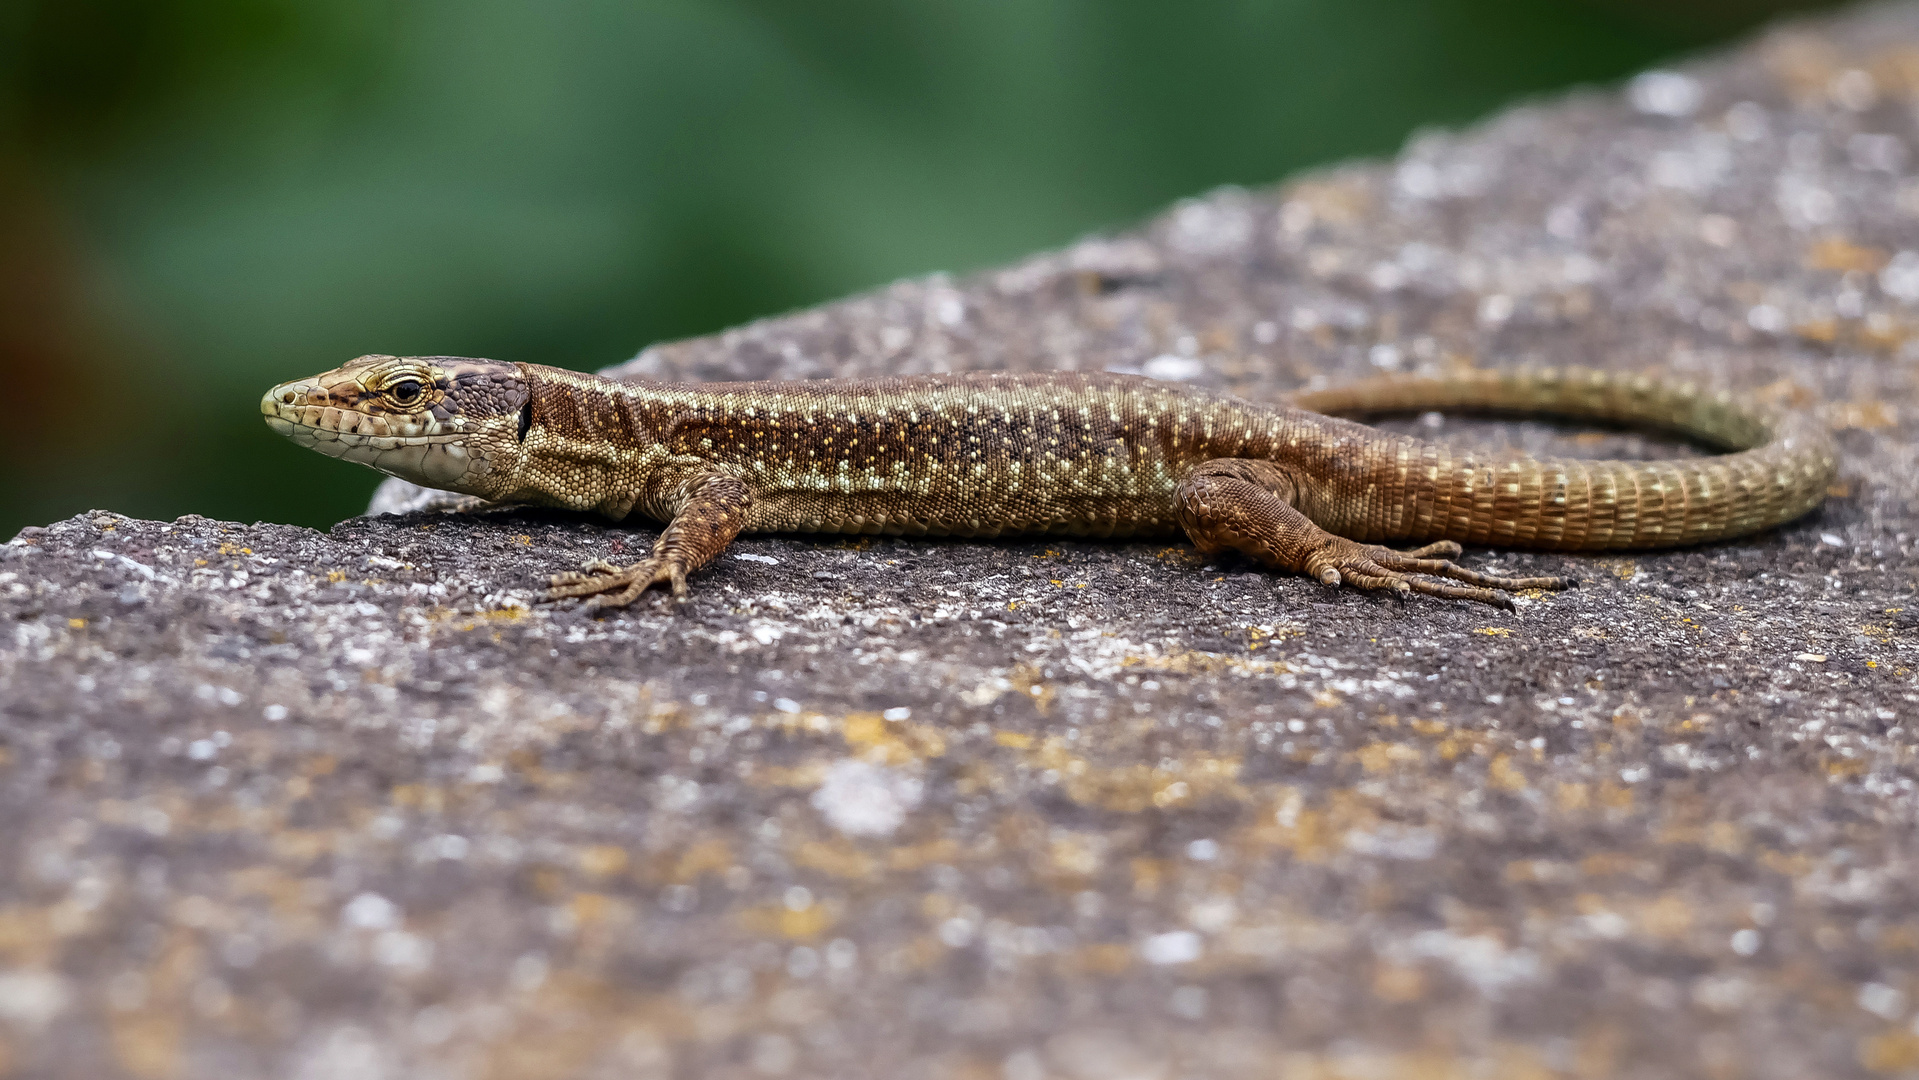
[286,395]
[294,408]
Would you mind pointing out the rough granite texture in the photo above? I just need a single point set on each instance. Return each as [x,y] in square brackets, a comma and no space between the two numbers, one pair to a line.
[282,803]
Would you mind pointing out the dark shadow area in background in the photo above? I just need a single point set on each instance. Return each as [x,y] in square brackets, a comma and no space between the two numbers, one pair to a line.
[199,198]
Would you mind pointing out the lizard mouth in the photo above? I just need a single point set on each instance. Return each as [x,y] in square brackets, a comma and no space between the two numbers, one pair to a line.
[415,448]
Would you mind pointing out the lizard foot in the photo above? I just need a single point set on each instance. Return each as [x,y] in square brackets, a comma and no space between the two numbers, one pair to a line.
[1369,566]
[605,585]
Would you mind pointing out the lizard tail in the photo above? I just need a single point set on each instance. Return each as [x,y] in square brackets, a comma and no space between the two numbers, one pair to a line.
[1774,465]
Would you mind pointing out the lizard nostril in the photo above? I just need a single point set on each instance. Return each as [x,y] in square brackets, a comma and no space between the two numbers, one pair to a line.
[289,397]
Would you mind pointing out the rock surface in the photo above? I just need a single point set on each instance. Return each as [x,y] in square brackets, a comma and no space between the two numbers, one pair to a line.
[291,804]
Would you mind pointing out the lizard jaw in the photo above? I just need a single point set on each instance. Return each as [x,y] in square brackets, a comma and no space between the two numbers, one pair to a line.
[440,461]
[331,414]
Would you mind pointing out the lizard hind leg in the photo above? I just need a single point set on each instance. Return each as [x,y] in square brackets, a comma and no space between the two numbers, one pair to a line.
[1245,506]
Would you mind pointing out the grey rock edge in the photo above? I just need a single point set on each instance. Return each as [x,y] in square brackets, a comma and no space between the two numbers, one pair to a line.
[284,803]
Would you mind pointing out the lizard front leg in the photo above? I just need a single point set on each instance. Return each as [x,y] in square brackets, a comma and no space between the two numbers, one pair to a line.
[1246,506]
[706,510]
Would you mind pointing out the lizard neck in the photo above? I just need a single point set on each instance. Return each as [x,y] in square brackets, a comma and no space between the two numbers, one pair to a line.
[589,443]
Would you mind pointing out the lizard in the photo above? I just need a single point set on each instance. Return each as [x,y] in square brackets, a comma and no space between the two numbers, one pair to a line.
[1095,455]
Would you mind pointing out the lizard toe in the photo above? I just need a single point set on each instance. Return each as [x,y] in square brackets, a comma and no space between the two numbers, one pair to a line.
[1409,562]
[1367,566]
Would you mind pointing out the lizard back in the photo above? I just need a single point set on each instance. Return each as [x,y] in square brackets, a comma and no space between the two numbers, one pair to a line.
[977,454]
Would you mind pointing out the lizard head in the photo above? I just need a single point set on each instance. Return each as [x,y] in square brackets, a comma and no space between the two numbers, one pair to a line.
[438,421]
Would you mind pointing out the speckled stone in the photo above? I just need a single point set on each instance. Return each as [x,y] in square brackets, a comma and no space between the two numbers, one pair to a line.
[281,803]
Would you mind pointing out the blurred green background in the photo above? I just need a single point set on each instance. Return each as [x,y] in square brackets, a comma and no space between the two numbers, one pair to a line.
[199,198]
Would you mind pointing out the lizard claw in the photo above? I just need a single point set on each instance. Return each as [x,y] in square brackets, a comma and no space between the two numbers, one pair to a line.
[604,585]
[1369,566]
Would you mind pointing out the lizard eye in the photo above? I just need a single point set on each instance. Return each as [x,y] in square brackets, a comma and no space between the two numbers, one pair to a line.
[406,391]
